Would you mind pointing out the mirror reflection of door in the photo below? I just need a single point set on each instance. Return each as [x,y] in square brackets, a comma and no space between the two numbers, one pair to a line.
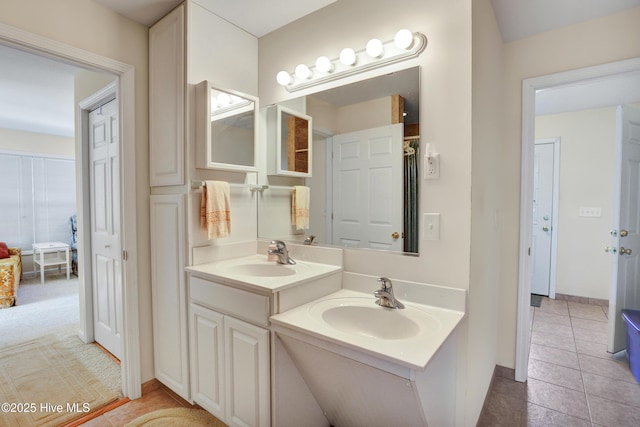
[544,185]
[367,171]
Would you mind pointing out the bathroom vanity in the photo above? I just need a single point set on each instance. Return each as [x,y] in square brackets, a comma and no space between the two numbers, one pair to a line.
[279,345]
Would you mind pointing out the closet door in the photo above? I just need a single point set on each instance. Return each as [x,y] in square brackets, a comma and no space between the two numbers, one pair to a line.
[166,100]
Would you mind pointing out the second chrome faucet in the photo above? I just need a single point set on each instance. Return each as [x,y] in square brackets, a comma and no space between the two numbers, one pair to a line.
[278,249]
[385,295]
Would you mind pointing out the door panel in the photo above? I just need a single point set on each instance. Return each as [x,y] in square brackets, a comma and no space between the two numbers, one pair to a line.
[367,188]
[625,271]
[105,234]
[543,220]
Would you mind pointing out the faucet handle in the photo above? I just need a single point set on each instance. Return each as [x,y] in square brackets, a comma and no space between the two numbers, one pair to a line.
[385,282]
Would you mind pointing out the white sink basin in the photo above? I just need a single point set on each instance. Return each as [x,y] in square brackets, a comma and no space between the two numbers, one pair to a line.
[263,270]
[361,316]
[408,337]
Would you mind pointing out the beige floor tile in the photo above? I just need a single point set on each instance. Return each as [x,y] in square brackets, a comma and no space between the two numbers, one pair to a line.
[561,399]
[609,368]
[590,335]
[592,349]
[552,328]
[553,306]
[554,355]
[543,316]
[510,387]
[556,374]
[587,311]
[556,341]
[538,416]
[594,325]
[502,410]
[612,389]
[609,413]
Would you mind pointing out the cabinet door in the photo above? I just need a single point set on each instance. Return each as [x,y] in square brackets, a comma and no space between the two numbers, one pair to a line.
[207,359]
[168,292]
[247,367]
[166,100]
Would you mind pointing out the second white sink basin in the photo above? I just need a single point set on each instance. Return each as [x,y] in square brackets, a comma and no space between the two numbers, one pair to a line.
[361,316]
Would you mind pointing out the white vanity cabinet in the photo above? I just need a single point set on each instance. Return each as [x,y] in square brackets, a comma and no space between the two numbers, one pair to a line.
[229,352]
[167,99]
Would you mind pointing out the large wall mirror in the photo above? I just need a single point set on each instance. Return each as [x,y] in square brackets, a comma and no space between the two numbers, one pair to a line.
[365,184]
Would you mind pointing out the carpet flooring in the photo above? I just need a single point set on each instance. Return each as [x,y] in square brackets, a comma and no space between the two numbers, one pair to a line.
[177,417]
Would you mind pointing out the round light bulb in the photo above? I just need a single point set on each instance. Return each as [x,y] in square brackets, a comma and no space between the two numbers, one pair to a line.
[403,39]
[283,78]
[324,64]
[348,56]
[224,99]
[303,72]
[374,48]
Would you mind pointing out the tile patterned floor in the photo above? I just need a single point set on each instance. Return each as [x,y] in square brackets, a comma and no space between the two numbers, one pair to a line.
[573,381]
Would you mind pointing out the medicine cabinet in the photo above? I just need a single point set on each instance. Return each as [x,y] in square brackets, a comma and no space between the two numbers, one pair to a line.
[226,129]
[290,142]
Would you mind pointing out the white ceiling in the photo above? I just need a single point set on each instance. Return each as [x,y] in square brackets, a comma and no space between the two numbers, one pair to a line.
[257,17]
[37,93]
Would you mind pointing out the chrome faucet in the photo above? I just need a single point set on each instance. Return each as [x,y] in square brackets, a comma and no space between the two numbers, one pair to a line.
[309,240]
[279,249]
[385,295]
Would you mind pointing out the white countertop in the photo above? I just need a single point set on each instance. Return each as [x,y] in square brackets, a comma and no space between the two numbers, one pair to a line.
[236,272]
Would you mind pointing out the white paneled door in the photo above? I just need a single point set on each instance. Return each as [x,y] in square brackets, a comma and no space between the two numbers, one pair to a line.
[543,215]
[367,188]
[105,226]
[625,281]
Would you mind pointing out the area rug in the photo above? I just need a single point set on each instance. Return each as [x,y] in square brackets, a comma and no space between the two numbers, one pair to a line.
[54,379]
[176,417]
[536,300]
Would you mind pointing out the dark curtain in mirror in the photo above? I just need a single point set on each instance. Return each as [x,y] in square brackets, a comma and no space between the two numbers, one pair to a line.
[411,194]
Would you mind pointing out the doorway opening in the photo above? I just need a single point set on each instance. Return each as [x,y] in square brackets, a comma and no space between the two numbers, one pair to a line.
[530,88]
[124,73]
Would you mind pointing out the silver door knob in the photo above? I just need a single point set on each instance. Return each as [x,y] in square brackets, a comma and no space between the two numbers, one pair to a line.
[624,233]
[545,228]
[610,250]
[624,251]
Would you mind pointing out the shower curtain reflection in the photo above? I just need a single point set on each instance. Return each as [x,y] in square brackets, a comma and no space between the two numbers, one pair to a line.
[411,146]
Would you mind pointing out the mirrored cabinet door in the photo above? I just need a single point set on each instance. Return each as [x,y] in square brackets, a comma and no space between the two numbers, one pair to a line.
[290,142]
[226,129]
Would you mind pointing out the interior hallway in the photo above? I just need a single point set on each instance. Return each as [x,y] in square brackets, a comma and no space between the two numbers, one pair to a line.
[572,380]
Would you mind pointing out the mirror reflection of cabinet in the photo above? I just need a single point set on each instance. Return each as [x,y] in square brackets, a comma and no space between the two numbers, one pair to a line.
[226,129]
[290,142]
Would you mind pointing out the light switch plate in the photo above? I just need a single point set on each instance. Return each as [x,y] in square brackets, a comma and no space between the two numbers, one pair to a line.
[431,226]
[590,211]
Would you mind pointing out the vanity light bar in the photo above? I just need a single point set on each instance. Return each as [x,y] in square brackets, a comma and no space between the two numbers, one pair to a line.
[405,45]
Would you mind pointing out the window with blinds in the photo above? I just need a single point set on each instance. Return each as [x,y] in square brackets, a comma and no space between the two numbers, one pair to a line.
[37,197]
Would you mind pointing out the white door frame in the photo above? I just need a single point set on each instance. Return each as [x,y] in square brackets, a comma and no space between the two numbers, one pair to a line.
[529,87]
[553,269]
[24,40]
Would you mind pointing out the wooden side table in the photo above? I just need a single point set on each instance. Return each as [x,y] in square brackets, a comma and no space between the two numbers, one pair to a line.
[39,258]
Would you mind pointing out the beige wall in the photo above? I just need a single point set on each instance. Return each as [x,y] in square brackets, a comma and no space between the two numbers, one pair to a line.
[31,142]
[586,179]
[484,296]
[446,124]
[86,25]
[599,41]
